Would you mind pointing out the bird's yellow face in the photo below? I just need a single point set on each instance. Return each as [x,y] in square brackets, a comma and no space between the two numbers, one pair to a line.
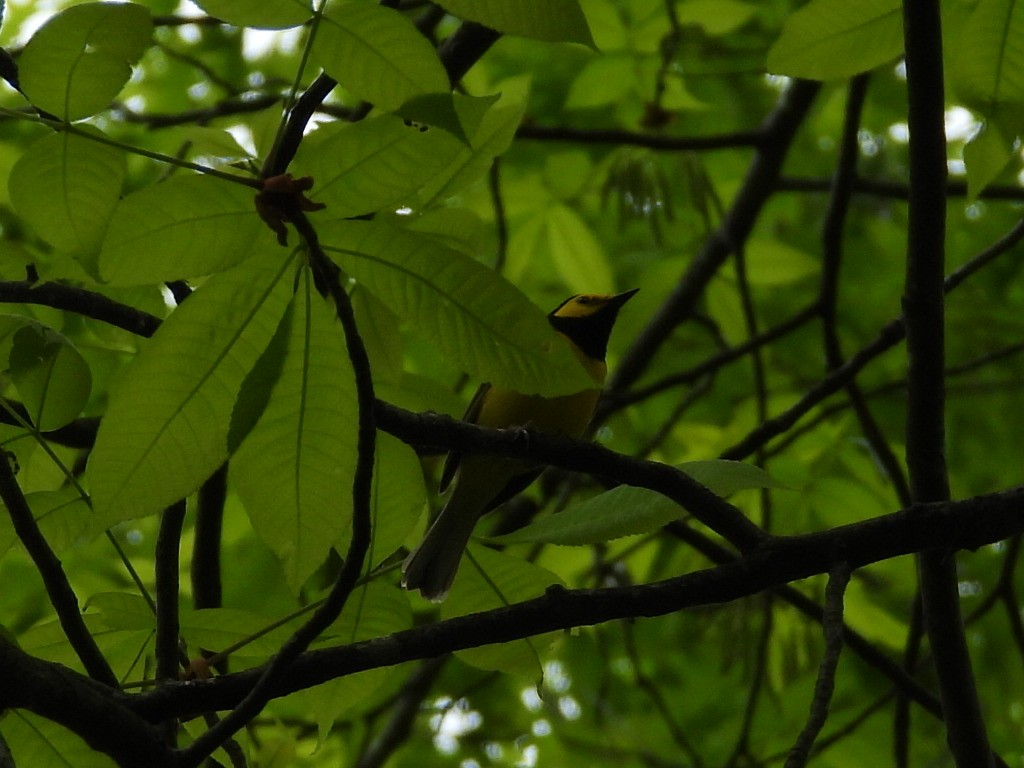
[590,304]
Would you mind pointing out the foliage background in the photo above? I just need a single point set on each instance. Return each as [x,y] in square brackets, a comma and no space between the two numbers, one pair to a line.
[686,148]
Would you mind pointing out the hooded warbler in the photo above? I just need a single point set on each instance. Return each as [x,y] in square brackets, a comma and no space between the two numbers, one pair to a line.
[486,482]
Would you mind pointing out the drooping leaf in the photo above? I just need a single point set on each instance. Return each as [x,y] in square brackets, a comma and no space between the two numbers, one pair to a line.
[166,428]
[266,14]
[377,54]
[79,60]
[627,511]
[67,187]
[187,226]
[828,39]
[487,580]
[52,377]
[484,325]
[549,20]
[294,470]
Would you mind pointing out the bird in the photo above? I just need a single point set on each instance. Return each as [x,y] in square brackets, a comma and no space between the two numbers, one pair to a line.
[483,483]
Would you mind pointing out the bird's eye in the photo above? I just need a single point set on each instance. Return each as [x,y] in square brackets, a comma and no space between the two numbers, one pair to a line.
[583,300]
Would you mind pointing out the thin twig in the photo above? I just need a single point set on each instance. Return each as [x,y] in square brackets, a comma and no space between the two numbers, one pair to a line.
[832,624]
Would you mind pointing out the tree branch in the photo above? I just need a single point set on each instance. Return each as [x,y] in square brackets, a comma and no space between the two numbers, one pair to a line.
[58,588]
[924,313]
[965,524]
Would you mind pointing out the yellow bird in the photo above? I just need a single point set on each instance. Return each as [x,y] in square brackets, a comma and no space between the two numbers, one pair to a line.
[486,482]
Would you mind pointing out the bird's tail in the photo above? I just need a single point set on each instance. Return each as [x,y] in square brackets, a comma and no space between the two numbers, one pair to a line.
[432,566]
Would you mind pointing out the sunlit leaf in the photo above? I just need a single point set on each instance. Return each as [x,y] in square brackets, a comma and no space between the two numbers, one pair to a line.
[828,39]
[551,20]
[79,60]
[577,253]
[67,187]
[34,740]
[377,54]
[990,55]
[266,14]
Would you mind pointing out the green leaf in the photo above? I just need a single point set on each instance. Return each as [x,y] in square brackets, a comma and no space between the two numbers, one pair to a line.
[774,263]
[166,428]
[67,187]
[604,80]
[399,496]
[453,112]
[577,254]
[483,324]
[294,470]
[79,60]
[265,14]
[487,580]
[52,377]
[35,740]
[123,610]
[377,54]
[217,629]
[497,129]
[62,516]
[373,610]
[716,17]
[989,52]
[374,165]
[985,157]
[829,39]
[187,226]
[627,511]
[550,20]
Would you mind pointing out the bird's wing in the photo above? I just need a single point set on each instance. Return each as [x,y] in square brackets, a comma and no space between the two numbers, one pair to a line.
[471,415]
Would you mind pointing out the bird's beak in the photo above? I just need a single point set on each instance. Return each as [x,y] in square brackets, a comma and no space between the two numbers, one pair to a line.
[621,298]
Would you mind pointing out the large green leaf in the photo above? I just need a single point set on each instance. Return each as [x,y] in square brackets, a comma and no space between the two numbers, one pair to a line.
[626,511]
[67,187]
[187,226]
[377,54]
[829,39]
[487,580]
[166,428]
[52,377]
[79,60]
[265,14]
[479,320]
[374,165]
[551,20]
[294,470]
[989,59]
